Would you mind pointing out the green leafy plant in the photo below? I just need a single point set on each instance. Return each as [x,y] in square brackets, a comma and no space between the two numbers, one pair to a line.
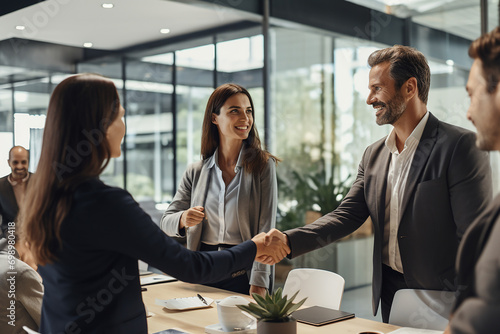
[273,307]
[312,191]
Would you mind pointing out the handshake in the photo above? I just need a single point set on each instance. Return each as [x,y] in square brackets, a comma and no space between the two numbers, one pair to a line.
[272,247]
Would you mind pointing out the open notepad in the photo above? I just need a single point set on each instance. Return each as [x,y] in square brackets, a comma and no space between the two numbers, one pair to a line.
[317,315]
[187,303]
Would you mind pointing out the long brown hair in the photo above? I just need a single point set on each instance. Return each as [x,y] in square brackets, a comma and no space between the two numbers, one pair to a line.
[74,149]
[255,158]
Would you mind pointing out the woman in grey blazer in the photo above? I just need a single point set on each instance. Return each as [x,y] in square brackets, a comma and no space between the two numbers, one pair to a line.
[231,195]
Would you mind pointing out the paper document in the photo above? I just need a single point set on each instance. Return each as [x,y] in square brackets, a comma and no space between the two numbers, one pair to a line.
[187,303]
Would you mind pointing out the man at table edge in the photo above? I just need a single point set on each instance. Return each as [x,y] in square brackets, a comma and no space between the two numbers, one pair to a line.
[477,309]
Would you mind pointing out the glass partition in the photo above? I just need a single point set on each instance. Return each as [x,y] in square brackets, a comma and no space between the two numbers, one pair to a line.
[150,128]
[111,68]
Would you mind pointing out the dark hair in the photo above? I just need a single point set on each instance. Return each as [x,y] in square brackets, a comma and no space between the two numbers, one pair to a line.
[74,148]
[14,147]
[406,63]
[487,49]
[255,158]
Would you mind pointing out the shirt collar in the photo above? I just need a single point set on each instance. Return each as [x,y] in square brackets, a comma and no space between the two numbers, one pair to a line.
[14,183]
[214,160]
[390,141]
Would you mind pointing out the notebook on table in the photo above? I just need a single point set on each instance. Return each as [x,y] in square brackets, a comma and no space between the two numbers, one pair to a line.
[318,315]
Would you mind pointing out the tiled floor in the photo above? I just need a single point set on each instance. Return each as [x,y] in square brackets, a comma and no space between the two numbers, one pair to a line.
[359,301]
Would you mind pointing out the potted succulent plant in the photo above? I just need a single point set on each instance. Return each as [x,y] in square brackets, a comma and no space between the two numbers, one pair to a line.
[273,312]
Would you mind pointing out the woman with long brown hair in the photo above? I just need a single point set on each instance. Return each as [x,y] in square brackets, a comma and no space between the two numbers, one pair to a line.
[231,195]
[86,236]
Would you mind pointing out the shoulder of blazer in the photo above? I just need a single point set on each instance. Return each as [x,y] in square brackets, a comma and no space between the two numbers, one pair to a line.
[195,168]
[373,150]
[445,131]
[5,185]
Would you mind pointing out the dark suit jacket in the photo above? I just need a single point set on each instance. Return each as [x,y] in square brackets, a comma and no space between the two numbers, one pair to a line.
[449,185]
[93,286]
[477,308]
[8,203]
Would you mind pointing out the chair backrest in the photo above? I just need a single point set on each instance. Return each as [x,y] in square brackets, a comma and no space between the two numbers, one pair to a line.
[425,309]
[29,331]
[321,287]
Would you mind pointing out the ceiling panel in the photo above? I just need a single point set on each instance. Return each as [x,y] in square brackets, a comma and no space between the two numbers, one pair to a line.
[458,17]
[130,22]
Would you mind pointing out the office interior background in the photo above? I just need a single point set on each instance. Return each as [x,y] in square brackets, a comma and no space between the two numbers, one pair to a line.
[303,62]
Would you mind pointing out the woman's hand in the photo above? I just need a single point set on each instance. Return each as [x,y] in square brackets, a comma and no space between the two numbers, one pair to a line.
[270,250]
[192,217]
[258,290]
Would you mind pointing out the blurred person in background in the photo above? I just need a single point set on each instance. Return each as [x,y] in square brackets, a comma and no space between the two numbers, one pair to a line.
[477,309]
[13,186]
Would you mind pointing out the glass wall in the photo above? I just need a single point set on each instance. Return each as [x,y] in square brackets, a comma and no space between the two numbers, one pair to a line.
[164,92]
[110,68]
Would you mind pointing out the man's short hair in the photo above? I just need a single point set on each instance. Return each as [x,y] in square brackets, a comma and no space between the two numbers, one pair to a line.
[406,62]
[487,49]
[14,147]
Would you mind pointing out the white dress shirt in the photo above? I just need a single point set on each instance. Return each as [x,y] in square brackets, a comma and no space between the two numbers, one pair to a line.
[397,178]
[221,206]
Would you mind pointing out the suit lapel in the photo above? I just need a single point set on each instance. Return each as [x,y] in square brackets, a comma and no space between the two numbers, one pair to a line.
[242,200]
[199,199]
[383,161]
[424,149]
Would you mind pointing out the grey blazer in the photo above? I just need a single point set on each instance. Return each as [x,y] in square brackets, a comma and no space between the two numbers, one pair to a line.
[449,185]
[28,293]
[477,309]
[257,205]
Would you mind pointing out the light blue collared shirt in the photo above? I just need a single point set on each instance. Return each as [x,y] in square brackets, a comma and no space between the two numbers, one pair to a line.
[221,205]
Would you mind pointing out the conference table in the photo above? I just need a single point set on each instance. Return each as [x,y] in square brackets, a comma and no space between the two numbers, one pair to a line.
[195,321]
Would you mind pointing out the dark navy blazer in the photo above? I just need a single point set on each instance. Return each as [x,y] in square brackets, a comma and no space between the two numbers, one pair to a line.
[94,287]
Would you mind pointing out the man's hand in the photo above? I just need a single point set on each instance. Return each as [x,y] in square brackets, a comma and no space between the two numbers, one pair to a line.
[271,252]
[258,290]
[274,233]
[191,217]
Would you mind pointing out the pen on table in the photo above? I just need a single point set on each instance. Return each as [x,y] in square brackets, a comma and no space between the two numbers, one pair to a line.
[202,299]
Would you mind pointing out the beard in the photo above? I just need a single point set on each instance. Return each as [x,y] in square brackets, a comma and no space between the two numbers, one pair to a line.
[20,173]
[394,108]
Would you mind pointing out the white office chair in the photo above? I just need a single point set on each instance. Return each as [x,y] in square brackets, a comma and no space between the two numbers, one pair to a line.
[29,331]
[321,287]
[425,309]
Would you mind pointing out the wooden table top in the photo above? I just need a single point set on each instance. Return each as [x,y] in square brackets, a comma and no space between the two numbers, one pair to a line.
[195,321]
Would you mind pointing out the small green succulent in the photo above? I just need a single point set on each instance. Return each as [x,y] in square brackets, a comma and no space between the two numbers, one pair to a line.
[273,307]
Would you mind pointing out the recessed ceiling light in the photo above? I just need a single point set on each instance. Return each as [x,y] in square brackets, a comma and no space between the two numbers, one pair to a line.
[87,45]
[20,27]
[450,62]
[107,5]
[164,31]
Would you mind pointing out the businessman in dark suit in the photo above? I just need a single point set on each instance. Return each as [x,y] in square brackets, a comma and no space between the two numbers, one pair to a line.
[477,309]
[422,185]
[13,186]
